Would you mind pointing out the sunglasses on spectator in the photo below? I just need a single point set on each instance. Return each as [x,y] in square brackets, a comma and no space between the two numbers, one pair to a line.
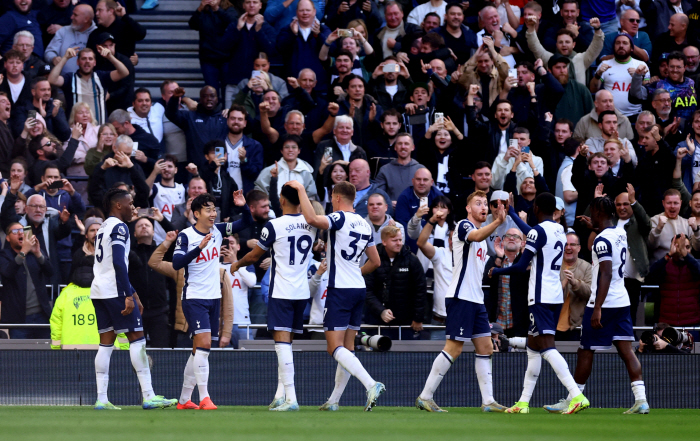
[634,20]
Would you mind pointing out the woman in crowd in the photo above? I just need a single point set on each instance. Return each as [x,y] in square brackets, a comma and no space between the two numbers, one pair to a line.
[106,136]
[328,176]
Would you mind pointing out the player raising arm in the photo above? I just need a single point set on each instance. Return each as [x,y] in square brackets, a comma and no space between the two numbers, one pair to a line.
[545,248]
[198,248]
[350,237]
[467,318]
[115,299]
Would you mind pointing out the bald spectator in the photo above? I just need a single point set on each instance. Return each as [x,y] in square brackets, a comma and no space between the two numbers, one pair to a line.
[692,62]
[397,175]
[629,24]
[73,36]
[20,17]
[299,43]
[675,39]
[359,177]
[587,127]
[408,202]
[281,13]
[658,13]
[502,34]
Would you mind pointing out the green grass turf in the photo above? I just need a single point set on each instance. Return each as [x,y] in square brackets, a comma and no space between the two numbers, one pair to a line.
[350,423]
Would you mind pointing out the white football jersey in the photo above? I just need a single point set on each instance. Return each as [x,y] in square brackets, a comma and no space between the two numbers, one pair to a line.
[442,276]
[202,279]
[611,244]
[241,281]
[290,240]
[106,285]
[165,199]
[546,241]
[469,260]
[318,298]
[349,235]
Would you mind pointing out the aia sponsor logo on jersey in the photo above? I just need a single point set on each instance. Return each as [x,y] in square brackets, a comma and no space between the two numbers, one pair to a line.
[481,254]
[323,296]
[207,255]
[167,209]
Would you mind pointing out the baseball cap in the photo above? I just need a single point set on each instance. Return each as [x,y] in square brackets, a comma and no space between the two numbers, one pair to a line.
[560,203]
[499,195]
[104,36]
[557,58]
[496,328]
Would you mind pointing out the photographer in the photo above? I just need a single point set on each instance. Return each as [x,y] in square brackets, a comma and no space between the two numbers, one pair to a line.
[665,339]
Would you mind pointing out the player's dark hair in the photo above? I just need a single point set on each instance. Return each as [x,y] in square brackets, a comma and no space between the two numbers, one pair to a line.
[546,203]
[202,200]
[290,194]
[112,196]
[604,205]
[345,190]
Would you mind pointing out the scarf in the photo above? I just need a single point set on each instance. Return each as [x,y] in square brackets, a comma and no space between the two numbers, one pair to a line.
[98,93]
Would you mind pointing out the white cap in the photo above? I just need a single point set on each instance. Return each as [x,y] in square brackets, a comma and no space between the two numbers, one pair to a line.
[500,195]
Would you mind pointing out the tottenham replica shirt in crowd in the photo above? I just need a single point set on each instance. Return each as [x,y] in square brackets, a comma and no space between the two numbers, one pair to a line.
[111,268]
[469,262]
[290,240]
[546,241]
[349,235]
[611,245]
[165,199]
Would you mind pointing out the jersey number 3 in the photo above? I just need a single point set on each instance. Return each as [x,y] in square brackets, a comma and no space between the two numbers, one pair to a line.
[353,245]
[99,253]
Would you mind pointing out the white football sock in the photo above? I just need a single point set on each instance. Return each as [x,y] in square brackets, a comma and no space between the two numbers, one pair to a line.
[201,371]
[104,353]
[559,365]
[348,360]
[534,365]
[279,393]
[581,387]
[441,365]
[342,377]
[139,360]
[285,363]
[639,391]
[482,365]
[189,381]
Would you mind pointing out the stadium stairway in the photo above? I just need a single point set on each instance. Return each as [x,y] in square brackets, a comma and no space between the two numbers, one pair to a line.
[170,49]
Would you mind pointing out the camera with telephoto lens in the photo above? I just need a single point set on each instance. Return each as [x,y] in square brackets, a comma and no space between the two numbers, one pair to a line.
[648,338]
[380,343]
[675,337]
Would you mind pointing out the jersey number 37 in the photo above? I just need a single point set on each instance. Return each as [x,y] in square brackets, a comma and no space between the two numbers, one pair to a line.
[353,245]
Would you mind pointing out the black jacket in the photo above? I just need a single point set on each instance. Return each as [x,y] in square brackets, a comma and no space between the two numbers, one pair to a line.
[585,182]
[212,26]
[253,232]
[485,136]
[101,180]
[399,286]
[228,186]
[148,283]
[518,297]
[58,125]
[14,278]
[126,32]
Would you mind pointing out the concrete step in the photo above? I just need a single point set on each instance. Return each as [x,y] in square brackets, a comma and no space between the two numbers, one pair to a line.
[185,6]
[191,89]
[180,35]
[172,75]
[173,25]
[169,63]
[170,54]
[156,46]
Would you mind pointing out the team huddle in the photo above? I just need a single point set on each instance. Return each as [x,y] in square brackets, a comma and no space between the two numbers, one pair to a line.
[290,240]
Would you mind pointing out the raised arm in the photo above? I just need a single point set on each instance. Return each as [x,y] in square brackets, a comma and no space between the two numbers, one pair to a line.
[318,221]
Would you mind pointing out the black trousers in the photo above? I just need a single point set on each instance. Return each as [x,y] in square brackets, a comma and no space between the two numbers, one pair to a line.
[157,330]
[634,290]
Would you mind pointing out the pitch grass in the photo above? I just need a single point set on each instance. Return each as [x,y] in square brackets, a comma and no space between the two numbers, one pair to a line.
[350,423]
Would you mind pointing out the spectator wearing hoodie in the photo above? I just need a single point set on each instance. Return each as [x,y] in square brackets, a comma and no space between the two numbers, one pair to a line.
[410,199]
[397,175]
[280,15]
[20,18]
[378,218]
[75,35]
[288,168]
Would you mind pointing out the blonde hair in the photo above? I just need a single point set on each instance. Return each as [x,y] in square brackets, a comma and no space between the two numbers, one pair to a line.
[75,109]
[389,232]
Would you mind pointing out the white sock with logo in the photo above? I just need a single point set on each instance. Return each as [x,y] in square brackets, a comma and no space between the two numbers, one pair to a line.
[104,353]
[482,365]
[560,367]
[201,371]
[441,365]
[139,360]
[534,365]
[189,381]
[285,363]
[348,360]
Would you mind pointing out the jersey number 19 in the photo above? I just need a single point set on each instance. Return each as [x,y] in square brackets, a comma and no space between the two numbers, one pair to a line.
[303,245]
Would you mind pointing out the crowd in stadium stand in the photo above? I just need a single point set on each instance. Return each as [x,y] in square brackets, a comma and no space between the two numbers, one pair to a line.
[417,105]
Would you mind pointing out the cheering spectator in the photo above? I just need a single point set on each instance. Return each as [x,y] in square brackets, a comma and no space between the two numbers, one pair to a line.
[666,225]
[358,175]
[106,136]
[51,110]
[587,126]
[570,19]
[654,171]
[421,194]
[519,91]
[501,36]
[113,19]
[396,37]
[20,18]
[458,38]
[182,216]
[494,133]
[658,14]
[288,168]
[334,173]
[25,272]
[148,145]
[396,176]
[300,41]
[212,19]
[486,68]
[436,150]
[629,24]
[23,42]
[341,147]
[673,40]
[281,13]
[389,88]
[73,36]
[580,61]
[146,114]
[14,83]
[587,173]
[396,296]
[259,205]
[576,101]
[523,164]
[576,275]
[313,106]
[608,123]
[507,300]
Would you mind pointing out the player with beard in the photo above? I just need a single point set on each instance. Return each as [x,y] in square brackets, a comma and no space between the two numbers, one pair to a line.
[244,154]
[467,319]
[616,75]
[88,85]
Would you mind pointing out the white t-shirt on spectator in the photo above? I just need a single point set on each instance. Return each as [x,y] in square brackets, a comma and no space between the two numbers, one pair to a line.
[617,80]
